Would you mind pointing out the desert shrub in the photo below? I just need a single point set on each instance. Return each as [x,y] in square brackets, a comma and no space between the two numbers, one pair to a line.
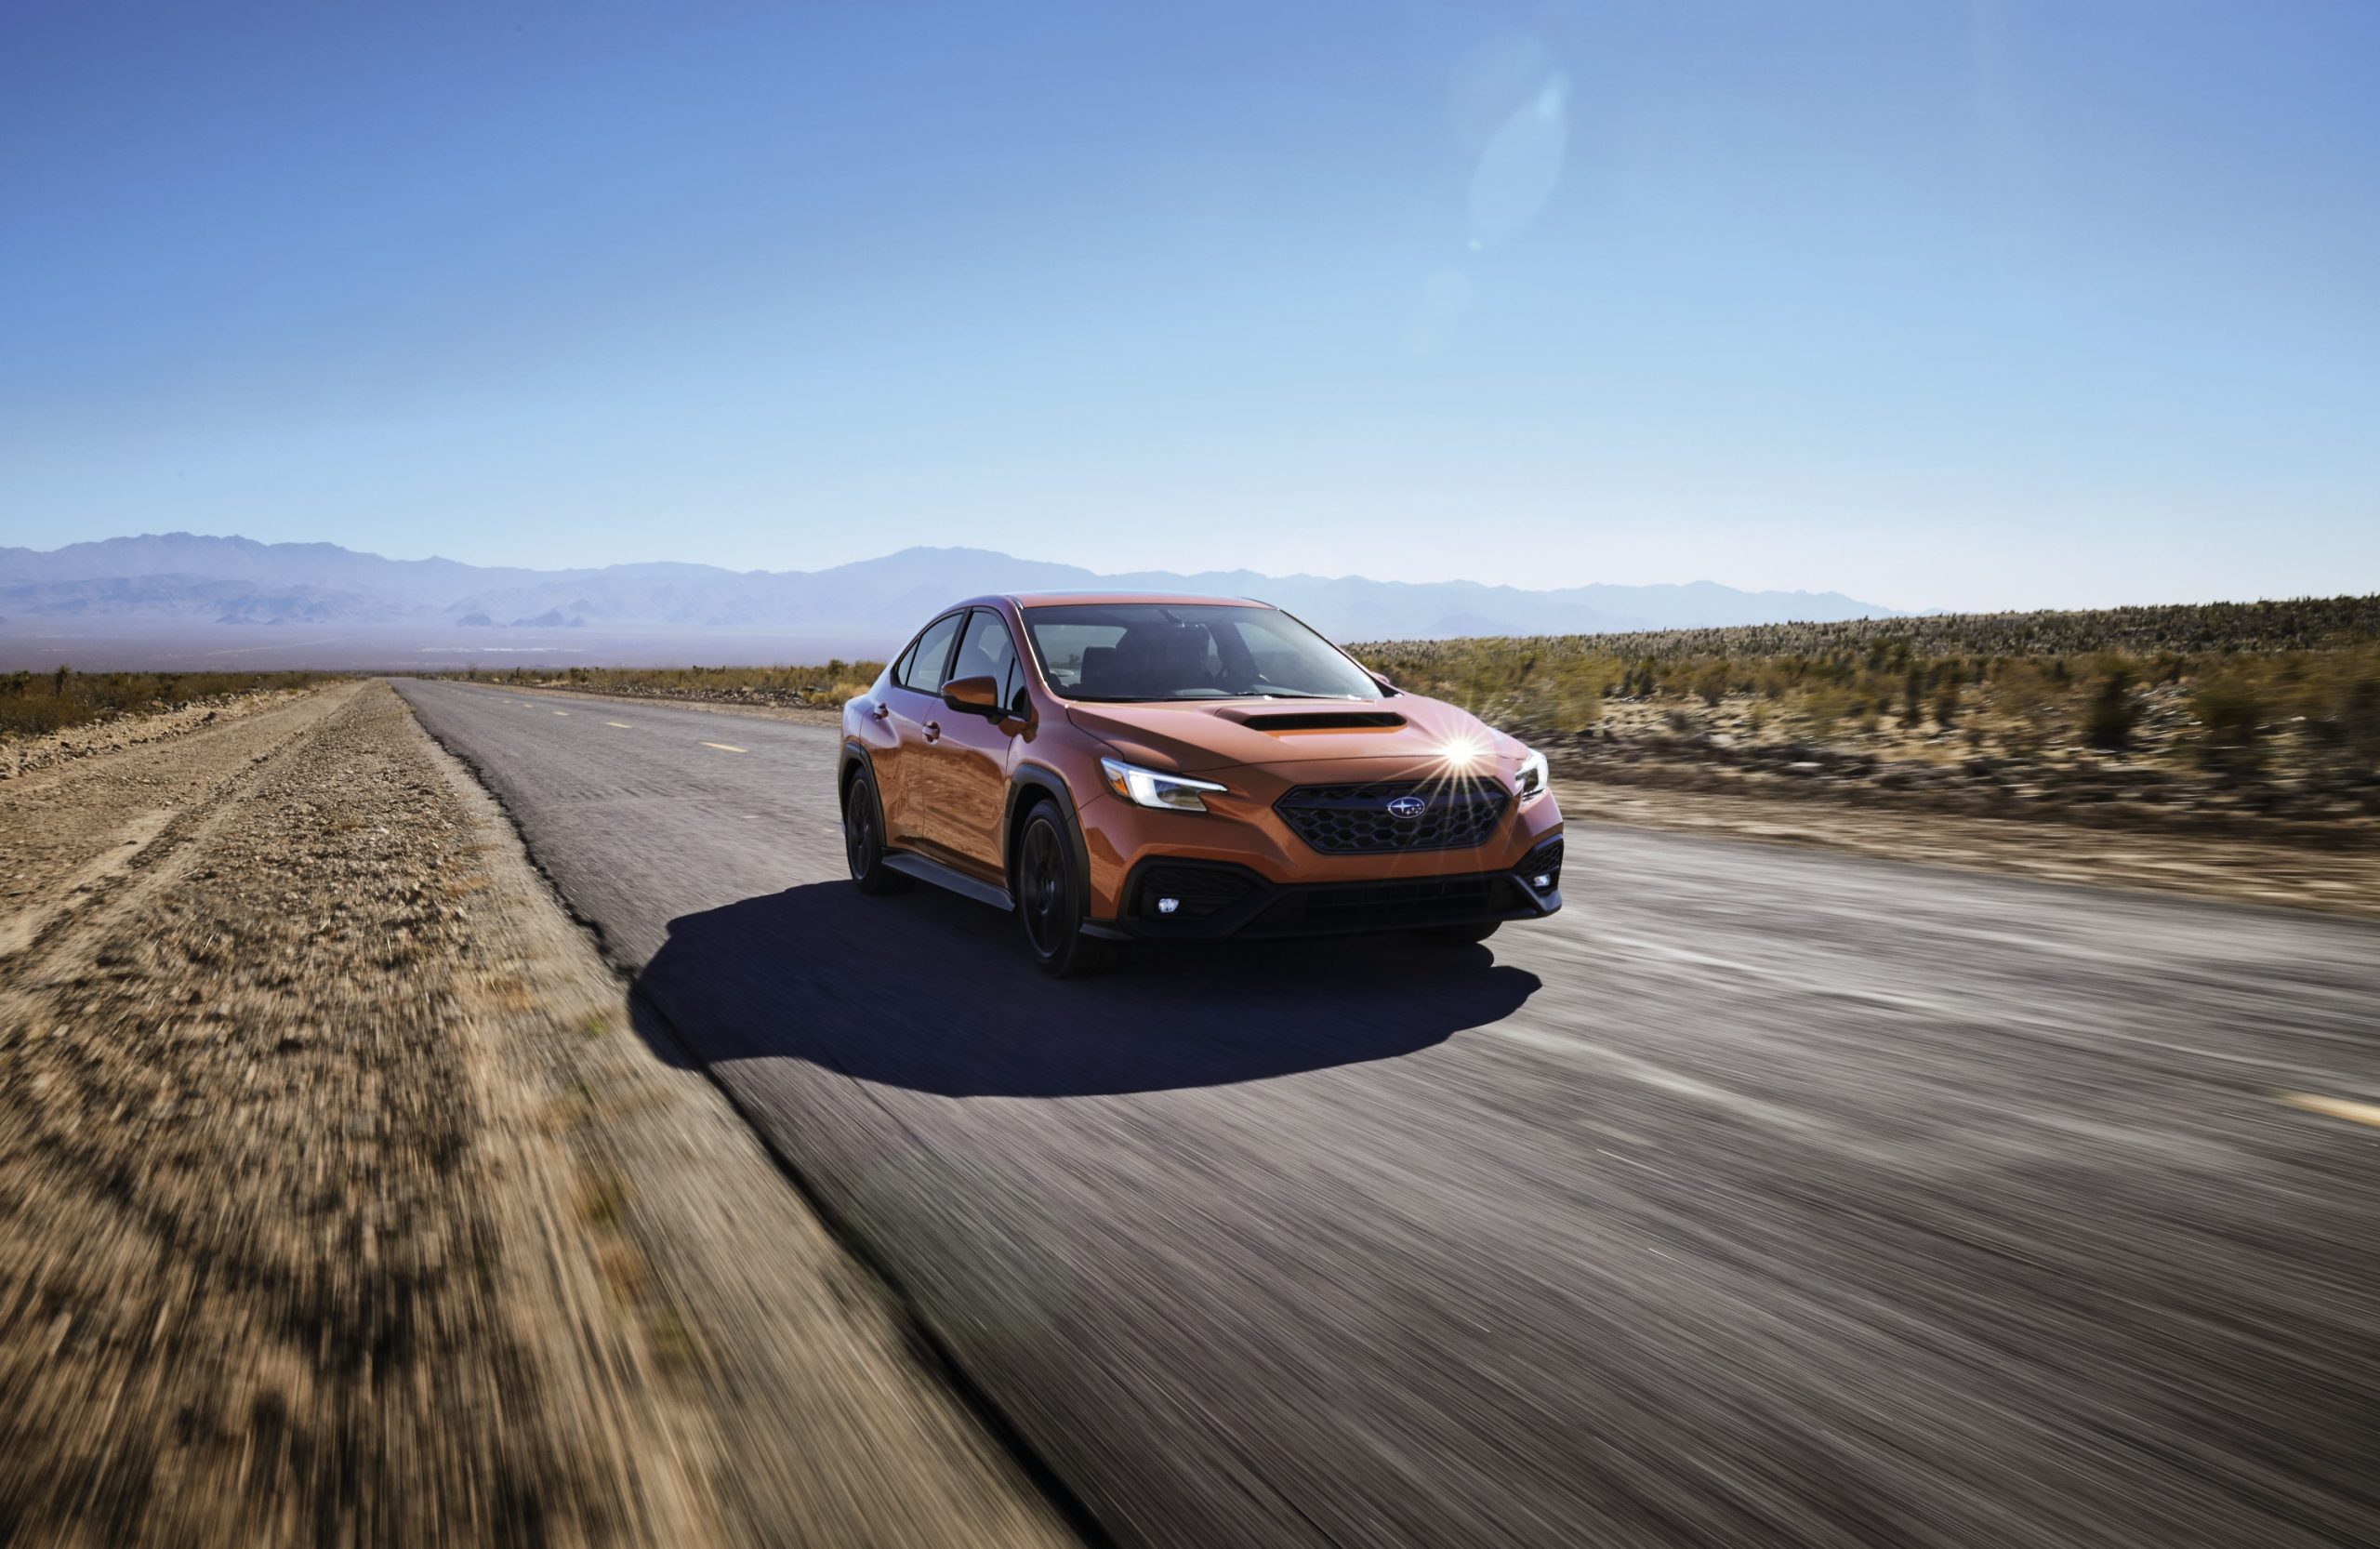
[2172,635]
[36,704]
[2336,697]
[2359,720]
[2112,716]
[1827,705]
[830,686]
[2231,716]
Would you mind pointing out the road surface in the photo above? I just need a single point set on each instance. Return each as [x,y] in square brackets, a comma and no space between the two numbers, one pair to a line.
[1762,1197]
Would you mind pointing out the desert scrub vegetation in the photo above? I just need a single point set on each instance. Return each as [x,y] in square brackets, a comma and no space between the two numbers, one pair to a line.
[2304,624]
[826,687]
[33,704]
[2268,708]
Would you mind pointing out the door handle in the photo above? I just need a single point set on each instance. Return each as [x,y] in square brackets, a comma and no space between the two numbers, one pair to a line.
[933,730]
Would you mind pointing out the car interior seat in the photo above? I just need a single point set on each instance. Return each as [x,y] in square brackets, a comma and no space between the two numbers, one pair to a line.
[1097,674]
[1162,659]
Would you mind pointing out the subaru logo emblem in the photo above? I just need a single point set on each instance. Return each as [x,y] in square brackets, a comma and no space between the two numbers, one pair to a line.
[1405,809]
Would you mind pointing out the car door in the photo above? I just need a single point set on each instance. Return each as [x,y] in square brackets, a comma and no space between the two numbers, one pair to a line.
[965,764]
[912,704]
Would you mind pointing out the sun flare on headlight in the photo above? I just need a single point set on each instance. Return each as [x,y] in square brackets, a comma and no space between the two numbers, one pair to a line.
[1463,754]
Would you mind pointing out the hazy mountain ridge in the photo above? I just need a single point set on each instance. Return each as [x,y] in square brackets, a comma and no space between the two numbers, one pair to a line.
[188,578]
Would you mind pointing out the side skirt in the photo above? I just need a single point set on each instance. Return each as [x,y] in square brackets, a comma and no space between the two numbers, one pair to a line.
[924,870]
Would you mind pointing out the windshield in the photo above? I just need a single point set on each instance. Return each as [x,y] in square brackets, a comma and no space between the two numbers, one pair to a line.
[1143,651]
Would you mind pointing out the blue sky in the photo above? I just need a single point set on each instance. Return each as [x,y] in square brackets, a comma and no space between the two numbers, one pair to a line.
[1975,303]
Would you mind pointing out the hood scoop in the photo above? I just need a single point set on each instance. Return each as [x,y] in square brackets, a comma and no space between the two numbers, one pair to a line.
[1321,720]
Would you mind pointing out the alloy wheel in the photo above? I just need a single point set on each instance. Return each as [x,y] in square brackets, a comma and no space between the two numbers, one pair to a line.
[1041,875]
[859,833]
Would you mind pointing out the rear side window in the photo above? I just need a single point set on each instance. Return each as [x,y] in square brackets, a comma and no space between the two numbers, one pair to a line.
[922,669]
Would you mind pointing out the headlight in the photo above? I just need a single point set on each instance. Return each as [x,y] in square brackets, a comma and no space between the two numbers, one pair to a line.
[1146,788]
[1528,780]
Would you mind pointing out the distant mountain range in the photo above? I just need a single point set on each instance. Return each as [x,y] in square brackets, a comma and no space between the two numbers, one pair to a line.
[184,581]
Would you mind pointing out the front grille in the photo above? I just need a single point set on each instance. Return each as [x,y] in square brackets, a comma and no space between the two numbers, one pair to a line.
[1201,891]
[1355,820]
[1386,905]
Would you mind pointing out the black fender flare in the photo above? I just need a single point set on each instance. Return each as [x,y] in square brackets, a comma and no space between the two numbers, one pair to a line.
[1028,783]
[854,756]
[855,752]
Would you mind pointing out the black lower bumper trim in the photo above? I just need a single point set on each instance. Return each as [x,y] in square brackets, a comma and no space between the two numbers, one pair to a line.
[1213,900]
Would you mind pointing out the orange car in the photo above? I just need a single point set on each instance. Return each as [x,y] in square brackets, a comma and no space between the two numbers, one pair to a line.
[1125,766]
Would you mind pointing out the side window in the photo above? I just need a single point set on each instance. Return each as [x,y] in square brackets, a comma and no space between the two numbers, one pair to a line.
[999,647]
[923,671]
[986,652]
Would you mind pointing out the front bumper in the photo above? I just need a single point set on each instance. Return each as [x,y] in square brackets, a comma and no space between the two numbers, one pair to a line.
[1215,899]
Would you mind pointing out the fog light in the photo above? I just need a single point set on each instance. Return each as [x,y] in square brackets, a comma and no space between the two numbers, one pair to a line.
[1541,883]
[1167,906]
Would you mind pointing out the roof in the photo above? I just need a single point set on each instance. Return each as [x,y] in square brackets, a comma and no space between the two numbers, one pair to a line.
[1169,598]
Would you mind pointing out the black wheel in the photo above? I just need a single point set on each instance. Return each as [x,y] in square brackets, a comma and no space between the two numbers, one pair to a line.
[1457,935]
[863,839]
[1052,900]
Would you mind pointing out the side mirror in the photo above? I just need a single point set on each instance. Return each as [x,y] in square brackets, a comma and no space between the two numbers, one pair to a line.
[1385,686]
[973,696]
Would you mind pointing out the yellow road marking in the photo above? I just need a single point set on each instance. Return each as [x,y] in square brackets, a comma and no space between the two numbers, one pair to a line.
[621,725]
[2337,1108]
[726,747]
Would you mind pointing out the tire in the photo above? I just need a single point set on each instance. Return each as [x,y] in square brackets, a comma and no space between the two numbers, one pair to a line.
[1457,935]
[863,839]
[1052,899]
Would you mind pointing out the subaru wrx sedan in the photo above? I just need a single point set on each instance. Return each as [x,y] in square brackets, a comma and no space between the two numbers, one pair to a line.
[1128,767]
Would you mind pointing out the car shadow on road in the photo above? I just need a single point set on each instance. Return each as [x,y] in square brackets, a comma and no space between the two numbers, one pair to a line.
[932,992]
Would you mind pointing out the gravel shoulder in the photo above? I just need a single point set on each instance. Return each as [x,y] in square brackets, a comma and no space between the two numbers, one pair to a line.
[338,1203]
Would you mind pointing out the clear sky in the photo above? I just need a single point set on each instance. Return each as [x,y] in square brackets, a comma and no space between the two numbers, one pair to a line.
[1965,303]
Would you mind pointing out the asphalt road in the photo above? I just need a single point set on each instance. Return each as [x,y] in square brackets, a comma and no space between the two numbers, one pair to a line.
[1762,1197]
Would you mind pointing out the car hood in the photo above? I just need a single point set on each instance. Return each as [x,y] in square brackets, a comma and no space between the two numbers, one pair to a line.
[1219,734]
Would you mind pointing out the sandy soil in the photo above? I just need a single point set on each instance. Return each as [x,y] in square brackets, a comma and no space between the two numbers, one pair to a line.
[339,1203]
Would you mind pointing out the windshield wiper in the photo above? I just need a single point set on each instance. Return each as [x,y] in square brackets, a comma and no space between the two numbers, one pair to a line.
[1296,693]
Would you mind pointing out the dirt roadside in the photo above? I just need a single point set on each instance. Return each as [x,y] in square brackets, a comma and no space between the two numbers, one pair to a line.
[2237,871]
[21,756]
[339,1203]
